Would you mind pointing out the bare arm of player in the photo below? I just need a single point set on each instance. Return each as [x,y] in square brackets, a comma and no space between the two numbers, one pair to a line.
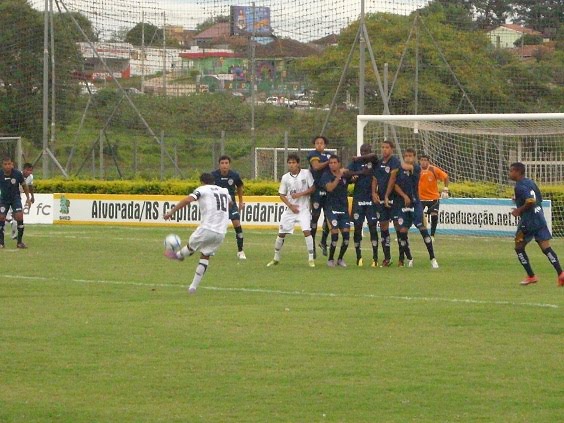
[402,194]
[180,205]
[375,197]
[26,191]
[330,186]
[365,157]
[240,196]
[391,184]
[293,207]
[317,165]
[529,203]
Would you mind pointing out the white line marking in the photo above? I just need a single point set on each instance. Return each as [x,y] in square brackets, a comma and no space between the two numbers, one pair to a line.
[280,292]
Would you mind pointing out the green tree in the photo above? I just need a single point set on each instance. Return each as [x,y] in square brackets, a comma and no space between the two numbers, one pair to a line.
[21,68]
[492,13]
[528,40]
[545,16]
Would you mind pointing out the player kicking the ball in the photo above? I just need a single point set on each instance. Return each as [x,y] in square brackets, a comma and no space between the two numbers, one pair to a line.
[295,189]
[214,204]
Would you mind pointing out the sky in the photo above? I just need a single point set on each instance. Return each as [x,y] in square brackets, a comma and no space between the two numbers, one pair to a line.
[304,20]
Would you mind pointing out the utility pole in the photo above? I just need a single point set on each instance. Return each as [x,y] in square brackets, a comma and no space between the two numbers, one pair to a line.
[253,81]
[143,51]
[46,90]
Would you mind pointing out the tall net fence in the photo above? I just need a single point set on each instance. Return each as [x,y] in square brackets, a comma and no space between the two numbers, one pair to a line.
[156,88]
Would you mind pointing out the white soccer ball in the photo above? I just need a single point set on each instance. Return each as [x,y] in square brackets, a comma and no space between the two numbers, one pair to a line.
[173,242]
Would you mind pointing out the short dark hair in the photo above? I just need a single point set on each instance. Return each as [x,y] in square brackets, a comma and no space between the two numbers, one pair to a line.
[365,148]
[390,143]
[224,157]
[519,167]
[424,156]
[334,156]
[7,159]
[324,138]
[207,178]
[294,157]
[410,150]
[28,166]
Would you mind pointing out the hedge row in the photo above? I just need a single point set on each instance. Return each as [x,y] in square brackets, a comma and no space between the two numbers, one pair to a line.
[176,187]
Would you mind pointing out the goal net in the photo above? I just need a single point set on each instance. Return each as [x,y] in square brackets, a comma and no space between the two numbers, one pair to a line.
[270,162]
[12,147]
[479,149]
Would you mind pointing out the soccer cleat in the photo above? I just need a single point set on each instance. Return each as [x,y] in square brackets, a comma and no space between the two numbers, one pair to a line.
[191,291]
[272,263]
[172,255]
[21,245]
[323,249]
[374,263]
[330,263]
[400,263]
[1,246]
[341,263]
[434,264]
[561,279]
[529,280]
[359,262]
[241,255]
[410,263]
[311,263]
[386,263]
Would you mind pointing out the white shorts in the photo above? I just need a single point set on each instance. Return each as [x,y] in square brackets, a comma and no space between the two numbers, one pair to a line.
[289,219]
[205,241]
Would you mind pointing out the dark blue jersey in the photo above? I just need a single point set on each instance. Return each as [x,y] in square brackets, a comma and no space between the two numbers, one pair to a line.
[231,181]
[10,185]
[363,185]
[337,200]
[532,218]
[382,174]
[313,156]
[408,181]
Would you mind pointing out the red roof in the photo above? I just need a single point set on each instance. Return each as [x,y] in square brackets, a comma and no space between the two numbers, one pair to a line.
[205,54]
[217,30]
[519,28]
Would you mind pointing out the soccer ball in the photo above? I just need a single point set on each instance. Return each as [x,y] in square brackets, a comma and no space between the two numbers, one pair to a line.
[172,242]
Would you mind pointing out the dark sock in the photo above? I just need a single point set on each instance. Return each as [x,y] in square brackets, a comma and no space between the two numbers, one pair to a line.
[2,232]
[357,237]
[20,230]
[386,244]
[344,245]
[553,259]
[239,238]
[374,241]
[325,233]
[333,247]
[524,259]
[404,245]
[428,243]
[434,221]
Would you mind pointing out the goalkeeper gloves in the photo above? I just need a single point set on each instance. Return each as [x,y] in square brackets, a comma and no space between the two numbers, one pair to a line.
[444,193]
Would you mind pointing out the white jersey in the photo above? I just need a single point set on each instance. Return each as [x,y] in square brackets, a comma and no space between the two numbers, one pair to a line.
[28,181]
[214,207]
[290,184]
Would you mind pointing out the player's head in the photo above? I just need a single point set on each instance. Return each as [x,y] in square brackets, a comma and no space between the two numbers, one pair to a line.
[293,162]
[387,149]
[409,155]
[334,162]
[424,161]
[516,171]
[207,179]
[365,149]
[7,164]
[27,169]
[320,142]
[224,163]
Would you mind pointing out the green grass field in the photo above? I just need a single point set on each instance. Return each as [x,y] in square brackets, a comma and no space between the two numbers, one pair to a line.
[96,326]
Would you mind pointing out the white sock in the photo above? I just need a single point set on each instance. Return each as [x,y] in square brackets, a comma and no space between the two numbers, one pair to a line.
[200,270]
[277,247]
[309,245]
[185,252]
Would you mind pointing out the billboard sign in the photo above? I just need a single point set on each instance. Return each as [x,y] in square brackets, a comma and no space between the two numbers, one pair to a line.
[246,20]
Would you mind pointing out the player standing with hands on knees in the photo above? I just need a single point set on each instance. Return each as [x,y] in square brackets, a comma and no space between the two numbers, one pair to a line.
[230,180]
[295,189]
[528,201]
[10,198]
[214,205]
[429,190]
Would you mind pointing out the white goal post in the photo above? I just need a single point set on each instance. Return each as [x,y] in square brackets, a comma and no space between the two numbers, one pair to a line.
[476,147]
[270,162]
[18,153]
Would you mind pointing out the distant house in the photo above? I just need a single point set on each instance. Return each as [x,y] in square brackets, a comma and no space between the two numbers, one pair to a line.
[504,36]
[215,34]
[184,37]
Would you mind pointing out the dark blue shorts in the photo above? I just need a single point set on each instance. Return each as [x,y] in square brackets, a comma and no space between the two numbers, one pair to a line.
[15,204]
[408,216]
[318,199]
[364,210]
[234,212]
[338,219]
[541,234]
[386,213]
[431,206]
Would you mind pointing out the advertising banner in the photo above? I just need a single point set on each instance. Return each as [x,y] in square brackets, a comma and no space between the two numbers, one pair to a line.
[246,20]
[41,211]
[472,216]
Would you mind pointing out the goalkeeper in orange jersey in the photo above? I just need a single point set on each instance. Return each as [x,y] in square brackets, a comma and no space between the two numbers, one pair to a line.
[429,190]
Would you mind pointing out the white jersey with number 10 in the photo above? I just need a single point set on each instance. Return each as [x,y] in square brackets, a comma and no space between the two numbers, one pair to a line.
[214,207]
